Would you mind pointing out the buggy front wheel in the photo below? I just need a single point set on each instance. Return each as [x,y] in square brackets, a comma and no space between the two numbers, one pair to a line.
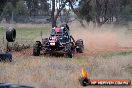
[70,52]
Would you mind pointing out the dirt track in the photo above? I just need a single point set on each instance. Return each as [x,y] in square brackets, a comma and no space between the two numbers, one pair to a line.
[108,38]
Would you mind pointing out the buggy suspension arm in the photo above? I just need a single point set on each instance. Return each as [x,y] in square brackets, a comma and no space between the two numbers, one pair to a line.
[72,38]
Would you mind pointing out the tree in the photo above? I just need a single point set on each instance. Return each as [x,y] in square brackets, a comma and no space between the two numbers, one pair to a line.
[101,11]
[10,10]
[55,16]
[62,4]
[21,8]
[85,10]
[7,11]
[43,7]
[14,2]
[37,7]
[2,4]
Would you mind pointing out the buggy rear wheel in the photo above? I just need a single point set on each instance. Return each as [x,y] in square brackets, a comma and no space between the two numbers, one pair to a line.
[36,49]
[70,52]
[79,46]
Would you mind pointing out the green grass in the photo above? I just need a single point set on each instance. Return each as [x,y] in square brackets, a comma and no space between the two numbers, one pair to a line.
[1,34]
[26,34]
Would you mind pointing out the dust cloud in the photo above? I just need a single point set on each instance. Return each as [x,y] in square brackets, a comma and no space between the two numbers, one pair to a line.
[104,38]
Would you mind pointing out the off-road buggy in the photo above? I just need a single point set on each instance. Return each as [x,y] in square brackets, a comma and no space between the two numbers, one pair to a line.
[59,41]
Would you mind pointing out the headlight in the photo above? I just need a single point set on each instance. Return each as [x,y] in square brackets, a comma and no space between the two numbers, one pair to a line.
[52,43]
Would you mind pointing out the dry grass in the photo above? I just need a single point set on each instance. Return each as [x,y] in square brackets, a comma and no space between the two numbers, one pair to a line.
[52,72]
[60,72]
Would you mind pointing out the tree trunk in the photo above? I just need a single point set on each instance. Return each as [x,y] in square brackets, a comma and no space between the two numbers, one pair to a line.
[76,12]
[52,14]
[59,11]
